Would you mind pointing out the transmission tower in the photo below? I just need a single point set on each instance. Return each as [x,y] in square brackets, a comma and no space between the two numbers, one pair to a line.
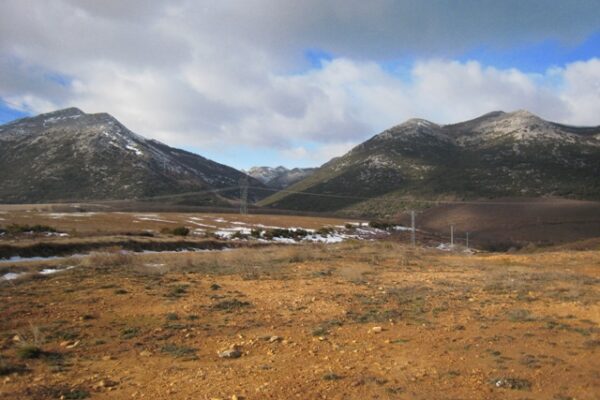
[244,194]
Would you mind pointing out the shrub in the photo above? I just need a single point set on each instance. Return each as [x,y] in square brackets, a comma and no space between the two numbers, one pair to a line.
[177,231]
[179,351]
[177,291]
[16,228]
[239,235]
[181,231]
[28,351]
[256,233]
[229,305]
[172,316]
[383,225]
[129,333]
[325,231]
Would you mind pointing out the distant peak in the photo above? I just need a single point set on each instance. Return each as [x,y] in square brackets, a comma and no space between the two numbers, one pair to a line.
[493,114]
[418,121]
[65,112]
[523,114]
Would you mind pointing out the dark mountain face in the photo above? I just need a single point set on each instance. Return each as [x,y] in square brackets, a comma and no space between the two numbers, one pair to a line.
[496,155]
[70,155]
[280,177]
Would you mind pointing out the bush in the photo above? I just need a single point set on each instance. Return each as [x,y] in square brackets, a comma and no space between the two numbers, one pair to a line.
[16,229]
[181,231]
[239,235]
[295,234]
[177,231]
[383,225]
[256,233]
[325,231]
[27,352]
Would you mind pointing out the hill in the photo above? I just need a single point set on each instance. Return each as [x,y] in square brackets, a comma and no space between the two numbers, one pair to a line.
[496,155]
[71,155]
[279,177]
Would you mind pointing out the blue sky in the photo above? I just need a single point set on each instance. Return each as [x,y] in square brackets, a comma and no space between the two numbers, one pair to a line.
[268,82]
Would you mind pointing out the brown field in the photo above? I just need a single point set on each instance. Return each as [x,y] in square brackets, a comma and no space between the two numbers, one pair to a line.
[515,221]
[105,223]
[356,320]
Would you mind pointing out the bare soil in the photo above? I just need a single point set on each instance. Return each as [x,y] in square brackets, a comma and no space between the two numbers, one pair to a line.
[514,221]
[357,320]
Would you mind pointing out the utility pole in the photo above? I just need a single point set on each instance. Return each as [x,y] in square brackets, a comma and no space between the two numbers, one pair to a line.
[244,194]
[467,240]
[412,224]
[452,236]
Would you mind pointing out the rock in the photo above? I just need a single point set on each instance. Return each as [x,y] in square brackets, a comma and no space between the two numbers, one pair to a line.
[376,329]
[105,383]
[145,353]
[273,339]
[73,345]
[16,338]
[107,358]
[234,352]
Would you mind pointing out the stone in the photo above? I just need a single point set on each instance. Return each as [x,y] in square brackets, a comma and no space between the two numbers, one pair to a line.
[273,339]
[234,352]
[105,383]
[376,329]
[145,353]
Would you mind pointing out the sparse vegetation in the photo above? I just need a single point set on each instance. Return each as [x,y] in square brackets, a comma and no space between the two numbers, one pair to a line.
[312,309]
[179,351]
[177,231]
[29,351]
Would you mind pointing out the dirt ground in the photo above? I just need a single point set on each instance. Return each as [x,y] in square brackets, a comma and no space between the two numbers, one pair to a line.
[515,220]
[103,223]
[356,320]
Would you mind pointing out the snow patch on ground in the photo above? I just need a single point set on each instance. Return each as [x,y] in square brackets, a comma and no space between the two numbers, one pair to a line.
[156,220]
[135,149]
[70,215]
[46,271]
[204,225]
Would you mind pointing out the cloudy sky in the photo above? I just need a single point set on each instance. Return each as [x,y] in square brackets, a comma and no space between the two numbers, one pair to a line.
[269,82]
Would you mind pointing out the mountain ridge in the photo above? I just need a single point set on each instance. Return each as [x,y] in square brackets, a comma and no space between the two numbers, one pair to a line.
[279,177]
[495,155]
[70,155]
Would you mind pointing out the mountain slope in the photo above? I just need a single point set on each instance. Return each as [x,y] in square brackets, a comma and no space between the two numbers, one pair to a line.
[70,155]
[496,155]
[279,177]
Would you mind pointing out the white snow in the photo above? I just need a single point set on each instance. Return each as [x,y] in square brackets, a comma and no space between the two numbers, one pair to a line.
[204,225]
[135,149]
[70,215]
[49,271]
[284,240]
[11,276]
[156,220]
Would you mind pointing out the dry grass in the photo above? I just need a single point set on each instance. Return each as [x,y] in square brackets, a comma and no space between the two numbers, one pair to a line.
[303,317]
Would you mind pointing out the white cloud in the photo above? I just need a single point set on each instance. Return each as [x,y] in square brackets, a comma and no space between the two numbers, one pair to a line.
[207,74]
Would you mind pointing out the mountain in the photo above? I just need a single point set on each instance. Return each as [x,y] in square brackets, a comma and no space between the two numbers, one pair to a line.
[279,177]
[71,155]
[496,155]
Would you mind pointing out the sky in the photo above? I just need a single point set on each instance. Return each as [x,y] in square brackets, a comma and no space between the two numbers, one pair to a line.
[295,83]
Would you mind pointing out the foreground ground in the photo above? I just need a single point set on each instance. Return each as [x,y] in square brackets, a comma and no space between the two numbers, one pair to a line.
[355,320]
